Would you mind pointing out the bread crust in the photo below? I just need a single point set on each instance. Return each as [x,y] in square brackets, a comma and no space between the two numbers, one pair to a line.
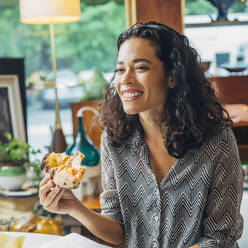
[65,170]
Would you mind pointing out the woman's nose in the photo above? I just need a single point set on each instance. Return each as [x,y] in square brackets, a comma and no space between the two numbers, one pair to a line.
[128,77]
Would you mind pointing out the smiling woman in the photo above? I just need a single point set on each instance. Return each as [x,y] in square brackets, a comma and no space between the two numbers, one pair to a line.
[162,152]
[171,172]
[140,79]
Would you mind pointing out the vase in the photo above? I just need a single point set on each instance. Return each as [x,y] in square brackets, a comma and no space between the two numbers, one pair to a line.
[91,162]
[83,144]
[12,176]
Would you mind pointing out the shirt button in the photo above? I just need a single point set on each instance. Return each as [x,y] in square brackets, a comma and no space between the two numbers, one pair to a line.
[156,218]
[154,244]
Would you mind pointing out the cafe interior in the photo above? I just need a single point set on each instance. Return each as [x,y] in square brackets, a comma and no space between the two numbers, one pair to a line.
[55,57]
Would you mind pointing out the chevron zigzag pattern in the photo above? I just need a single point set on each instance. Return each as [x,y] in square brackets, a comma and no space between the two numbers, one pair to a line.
[198,201]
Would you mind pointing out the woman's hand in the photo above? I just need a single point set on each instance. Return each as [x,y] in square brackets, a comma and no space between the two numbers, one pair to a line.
[237,112]
[55,199]
[62,201]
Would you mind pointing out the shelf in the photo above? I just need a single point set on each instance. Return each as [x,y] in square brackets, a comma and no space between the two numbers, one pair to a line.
[40,85]
[243,152]
[216,23]
[241,124]
[243,146]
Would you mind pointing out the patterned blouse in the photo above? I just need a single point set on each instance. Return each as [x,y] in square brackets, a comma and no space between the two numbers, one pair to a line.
[197,202]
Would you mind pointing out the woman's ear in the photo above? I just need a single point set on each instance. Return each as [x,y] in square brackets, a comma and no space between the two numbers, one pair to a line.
[171,83]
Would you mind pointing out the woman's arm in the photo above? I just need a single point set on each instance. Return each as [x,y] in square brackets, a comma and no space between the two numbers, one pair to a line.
[100,225]
[62,201]
[222,225]
[107,225]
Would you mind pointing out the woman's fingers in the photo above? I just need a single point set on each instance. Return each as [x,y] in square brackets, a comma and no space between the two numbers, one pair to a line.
[44,190]
[45,180]
[51,196]
[54,203]
[68,194]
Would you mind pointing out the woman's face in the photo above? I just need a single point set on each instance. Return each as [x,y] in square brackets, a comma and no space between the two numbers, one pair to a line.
[140,79]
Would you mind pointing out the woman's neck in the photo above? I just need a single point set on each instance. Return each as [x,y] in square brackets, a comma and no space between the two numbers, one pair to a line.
[151,127]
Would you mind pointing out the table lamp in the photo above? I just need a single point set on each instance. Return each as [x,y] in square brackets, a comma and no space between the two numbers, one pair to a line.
[52,12]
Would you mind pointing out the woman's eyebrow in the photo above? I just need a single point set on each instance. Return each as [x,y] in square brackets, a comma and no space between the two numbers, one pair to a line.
[136,61]
[120,63]
[142,60]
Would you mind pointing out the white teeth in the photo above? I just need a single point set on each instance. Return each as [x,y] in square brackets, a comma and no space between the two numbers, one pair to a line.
[128,94]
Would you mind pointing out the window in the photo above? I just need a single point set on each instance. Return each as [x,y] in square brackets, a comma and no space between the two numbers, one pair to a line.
[80,47]
[219,42]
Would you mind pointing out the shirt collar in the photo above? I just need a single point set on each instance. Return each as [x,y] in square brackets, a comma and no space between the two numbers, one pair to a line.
[136,140]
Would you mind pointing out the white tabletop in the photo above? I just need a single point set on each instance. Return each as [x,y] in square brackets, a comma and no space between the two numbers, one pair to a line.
[52,241]
[32,239]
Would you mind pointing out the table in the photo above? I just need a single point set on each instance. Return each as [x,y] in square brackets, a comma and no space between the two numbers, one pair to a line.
[15,205]
[38,240]
[32,239]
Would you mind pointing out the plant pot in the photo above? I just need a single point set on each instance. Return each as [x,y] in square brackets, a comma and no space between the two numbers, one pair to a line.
[11,164]
[12,177]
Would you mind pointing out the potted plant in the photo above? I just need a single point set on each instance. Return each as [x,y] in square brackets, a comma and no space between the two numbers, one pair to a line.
[14,152]
[14,156]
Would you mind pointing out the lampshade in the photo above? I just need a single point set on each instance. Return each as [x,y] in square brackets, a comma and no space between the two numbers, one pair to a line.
[49,11]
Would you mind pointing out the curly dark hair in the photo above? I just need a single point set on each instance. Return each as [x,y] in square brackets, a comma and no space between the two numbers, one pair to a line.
[191,113]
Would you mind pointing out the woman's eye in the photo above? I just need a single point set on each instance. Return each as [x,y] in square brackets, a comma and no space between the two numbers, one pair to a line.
[118,70]
[141,68]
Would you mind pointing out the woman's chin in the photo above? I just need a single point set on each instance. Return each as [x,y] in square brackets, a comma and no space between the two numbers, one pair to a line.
[130,111]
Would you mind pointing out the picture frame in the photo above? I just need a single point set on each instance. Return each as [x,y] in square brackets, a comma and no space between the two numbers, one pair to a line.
[12,118]
[16,66]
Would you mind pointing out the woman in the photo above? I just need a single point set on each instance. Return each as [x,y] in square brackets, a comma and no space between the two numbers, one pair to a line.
[171,172]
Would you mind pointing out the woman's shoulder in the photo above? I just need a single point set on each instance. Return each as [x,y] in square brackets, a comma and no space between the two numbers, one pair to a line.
[106,141]
[105,138]
[219,147]
[222,143]
[132,141]
[224,137]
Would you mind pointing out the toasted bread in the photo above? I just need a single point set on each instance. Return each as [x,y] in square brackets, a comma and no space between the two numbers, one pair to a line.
[66,170]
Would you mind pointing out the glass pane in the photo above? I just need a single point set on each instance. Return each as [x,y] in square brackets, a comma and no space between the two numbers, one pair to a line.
[223,43]
[80,47]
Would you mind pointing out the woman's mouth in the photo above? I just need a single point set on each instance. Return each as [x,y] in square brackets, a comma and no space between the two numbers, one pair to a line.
[131,94]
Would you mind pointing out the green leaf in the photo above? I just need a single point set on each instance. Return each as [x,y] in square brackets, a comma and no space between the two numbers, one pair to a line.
[8,135]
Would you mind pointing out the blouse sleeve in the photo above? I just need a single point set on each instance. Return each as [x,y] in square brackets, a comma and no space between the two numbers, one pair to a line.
[223,224]
[109,200]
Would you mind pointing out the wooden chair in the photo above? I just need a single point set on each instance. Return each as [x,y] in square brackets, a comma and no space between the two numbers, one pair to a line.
[234,90]
[231,90]
[93,130]
[90,122]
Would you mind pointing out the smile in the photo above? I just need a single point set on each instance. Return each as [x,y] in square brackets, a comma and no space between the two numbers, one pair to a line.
[130,94]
